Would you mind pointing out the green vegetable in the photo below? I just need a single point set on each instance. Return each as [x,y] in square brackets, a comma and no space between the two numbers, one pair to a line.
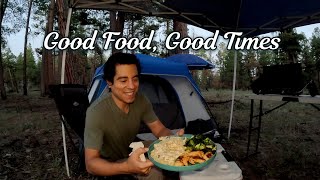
[199,137]
[191,143]
[208,141]
[199,146]
[200,143]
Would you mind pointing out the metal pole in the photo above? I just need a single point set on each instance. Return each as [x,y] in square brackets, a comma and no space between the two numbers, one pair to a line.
[233,90]
[250,127]
[259,125]
[62,82]
[64,52]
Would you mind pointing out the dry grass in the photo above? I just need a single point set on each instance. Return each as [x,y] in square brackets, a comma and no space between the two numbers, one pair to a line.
[289,141]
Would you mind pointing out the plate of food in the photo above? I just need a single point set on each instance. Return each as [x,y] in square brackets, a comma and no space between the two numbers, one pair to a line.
[182,153]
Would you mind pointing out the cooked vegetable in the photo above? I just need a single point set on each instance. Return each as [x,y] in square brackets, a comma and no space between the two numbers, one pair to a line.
[189,149]
[200,142]
[200,146]
[208,141]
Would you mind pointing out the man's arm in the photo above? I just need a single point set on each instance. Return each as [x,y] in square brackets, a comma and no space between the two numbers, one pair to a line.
[158,129]
[101,167]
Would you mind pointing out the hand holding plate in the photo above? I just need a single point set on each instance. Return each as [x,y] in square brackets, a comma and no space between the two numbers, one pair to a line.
[136,165]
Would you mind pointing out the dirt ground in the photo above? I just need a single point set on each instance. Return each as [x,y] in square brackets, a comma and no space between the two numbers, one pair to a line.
[31,143]
[30,139]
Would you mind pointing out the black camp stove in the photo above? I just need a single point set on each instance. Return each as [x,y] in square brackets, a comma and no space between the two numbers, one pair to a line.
[284,79]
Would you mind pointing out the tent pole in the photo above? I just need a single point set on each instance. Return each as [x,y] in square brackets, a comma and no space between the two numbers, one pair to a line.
[64,53]
[233,90]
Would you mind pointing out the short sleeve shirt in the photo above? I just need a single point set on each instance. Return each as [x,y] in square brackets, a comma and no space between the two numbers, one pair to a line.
[110,130]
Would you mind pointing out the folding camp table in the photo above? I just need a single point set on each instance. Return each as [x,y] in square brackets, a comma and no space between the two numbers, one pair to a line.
[222,167]
[285,99]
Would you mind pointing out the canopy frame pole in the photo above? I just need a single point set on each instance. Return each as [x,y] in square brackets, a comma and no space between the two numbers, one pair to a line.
[215,24]
[134,8]
[261,27]
[64,53]
[94,4]
[233,90]
[300,20]
[181,14]
[234,77]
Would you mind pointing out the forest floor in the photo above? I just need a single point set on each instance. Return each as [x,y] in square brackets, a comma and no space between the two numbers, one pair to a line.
[31,142]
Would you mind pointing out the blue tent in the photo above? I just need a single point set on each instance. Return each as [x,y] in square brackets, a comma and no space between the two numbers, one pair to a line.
[192,61]
[153,66]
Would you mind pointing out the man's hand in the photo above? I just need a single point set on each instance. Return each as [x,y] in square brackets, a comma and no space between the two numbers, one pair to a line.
[180,132]
[135,165]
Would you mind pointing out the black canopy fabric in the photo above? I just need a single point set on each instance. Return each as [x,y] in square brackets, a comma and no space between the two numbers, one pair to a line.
[252,17]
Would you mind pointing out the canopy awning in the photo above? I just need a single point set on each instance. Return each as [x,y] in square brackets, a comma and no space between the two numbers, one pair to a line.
[252,17]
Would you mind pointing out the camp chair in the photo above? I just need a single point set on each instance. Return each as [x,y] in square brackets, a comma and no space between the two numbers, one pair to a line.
[72,102]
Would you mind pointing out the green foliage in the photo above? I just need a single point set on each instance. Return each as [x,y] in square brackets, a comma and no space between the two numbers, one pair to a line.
[12,20]
[40,15]
[140,27]
[36,75]
[84,22]
[33,71]
[294,48]
[9,67]
[306,59]
[289,46]
[226,63]
[204,78]
[265,57]
[8,59]
[247,69]
[315,47]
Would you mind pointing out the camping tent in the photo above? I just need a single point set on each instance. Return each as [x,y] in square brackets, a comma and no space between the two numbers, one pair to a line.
[192,61]
[169,86]
[157,75]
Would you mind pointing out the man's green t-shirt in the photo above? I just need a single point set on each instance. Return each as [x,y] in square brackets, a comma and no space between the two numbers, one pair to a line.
[110,130]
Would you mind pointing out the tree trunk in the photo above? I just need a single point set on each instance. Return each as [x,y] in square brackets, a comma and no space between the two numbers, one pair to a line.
[15,82]
[25,81]
[11,79]
[58,59]
[47,74]
[43,76]
[3,6]
[62,22]
[50,73]
[2,88]
[116,25]
[183,30]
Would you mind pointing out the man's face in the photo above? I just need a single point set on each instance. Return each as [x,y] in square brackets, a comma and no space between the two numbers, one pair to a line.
[125,83]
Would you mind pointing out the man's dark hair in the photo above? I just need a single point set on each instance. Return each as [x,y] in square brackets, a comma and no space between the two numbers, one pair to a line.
[119,58]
